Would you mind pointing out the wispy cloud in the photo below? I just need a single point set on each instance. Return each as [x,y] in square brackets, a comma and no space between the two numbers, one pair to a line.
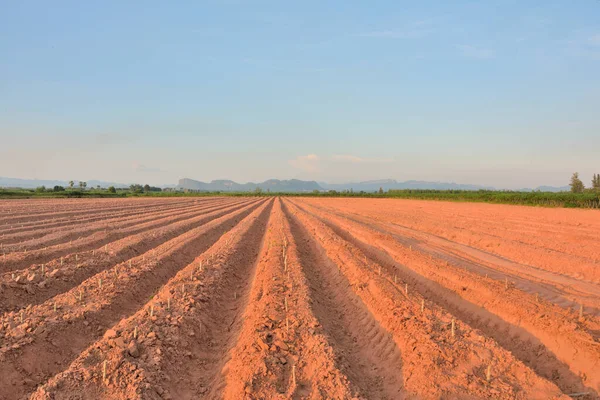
[414,30]
[307,163]
[314,163]
[594,40]
[283,66]
[137,167]
[358,160]
[582,44]
[396,34]
[476,52]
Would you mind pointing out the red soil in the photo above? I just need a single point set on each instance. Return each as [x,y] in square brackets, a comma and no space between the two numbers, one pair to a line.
[297,298]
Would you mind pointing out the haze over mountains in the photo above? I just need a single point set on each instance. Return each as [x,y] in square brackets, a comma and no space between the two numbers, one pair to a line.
[273,185]
[295,185]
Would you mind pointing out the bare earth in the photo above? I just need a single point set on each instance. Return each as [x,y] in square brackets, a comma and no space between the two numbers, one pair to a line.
[279,298]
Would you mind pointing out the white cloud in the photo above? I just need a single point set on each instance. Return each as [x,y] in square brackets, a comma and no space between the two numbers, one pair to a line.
[360,160]
[137,167]
[476,52]
[594,40]
[396,34]
[314,163]
[349,158]
[308,163]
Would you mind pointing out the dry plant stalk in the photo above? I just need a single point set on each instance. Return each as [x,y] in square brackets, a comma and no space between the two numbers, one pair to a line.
[104,371]
[406,288]
[135,332]
[453,327]
[488,373]
[422,305]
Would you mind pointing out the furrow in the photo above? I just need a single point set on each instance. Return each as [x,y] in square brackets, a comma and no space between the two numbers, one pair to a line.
[31,286]
[347,322]
[48,232]
[13,262]
[178,345]
[519,324]
[435,361]
[72,212]
[279,352]
[48,340]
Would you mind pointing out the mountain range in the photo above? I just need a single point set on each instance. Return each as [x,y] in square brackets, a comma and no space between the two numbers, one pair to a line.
[271,185]
[295,185]
[275,185]
[387,184]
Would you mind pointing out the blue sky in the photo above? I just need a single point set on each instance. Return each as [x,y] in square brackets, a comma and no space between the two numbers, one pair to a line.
[502,93]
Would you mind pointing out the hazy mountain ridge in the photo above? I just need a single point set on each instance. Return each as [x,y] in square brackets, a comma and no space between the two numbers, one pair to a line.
[387,184]
[273,185]
[276,185]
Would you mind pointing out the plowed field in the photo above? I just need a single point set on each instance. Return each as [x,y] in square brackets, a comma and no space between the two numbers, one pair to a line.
[277,298]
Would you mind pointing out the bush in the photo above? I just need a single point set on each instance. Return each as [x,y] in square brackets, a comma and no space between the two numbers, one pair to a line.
[111,189]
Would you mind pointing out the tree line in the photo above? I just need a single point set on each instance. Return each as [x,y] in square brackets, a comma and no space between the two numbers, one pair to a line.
[577,185]
[135,188]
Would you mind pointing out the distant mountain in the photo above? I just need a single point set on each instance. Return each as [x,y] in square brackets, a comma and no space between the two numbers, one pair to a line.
[272,185]
[387,184]
[33,183]
[275,185]
[553,188]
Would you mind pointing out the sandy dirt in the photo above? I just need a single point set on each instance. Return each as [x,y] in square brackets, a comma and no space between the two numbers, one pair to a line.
[297,298]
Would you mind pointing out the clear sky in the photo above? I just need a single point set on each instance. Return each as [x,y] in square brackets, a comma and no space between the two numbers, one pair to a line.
[496,92]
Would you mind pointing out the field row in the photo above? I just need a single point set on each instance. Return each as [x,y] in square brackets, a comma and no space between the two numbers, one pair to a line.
[285,298]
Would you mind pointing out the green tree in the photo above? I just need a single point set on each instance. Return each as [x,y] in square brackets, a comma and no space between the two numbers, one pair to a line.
[380,190]
[59,189]
[258,190]
[146,188]
[111,189]
[40,189]
[596,182]
[71,184]
[576,184]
